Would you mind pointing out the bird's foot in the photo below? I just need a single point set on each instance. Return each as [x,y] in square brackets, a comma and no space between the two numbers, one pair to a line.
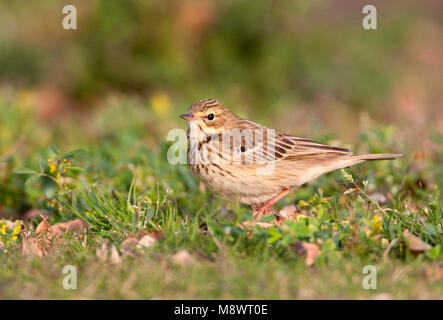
[262,210]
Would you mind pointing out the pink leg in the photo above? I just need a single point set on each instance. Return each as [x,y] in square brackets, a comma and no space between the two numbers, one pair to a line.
[266,208]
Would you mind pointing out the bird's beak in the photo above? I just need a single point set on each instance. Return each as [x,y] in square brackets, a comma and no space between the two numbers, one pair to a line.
[188,116]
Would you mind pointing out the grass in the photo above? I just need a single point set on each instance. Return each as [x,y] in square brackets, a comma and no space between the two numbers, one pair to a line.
[117,180]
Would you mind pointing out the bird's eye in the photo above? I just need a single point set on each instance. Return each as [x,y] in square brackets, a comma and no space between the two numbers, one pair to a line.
[211,116]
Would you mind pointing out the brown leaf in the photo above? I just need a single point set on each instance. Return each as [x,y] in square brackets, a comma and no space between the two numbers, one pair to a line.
[434,272]
[182,258]
[35,247]
[77,225]
[102,252]
[308,250]
[146,242]
[157,234]
[43,227]
[29,247]
[288,213]
[415,244]
[115,257]
[129,244]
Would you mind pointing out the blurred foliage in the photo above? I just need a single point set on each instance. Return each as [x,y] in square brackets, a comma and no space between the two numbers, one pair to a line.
[251,52]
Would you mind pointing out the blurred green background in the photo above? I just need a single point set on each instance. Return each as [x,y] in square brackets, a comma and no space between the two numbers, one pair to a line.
[253,55]
[307,68]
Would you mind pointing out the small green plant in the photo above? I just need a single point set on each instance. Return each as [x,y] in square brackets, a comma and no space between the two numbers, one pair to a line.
[56,169]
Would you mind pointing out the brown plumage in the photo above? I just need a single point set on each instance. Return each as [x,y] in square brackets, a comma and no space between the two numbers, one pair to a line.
[241,160]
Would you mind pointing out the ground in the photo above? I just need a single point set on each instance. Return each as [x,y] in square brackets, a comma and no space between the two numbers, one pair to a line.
[97,193]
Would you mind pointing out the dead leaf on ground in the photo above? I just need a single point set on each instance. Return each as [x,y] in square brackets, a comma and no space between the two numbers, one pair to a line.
[288,213]
[30,247]
[308,250]
[115,256]
[77,225]
[434,273]
[35,247]
[183,258]
[43,227]
[157,234]
[146,242]
[415,244]
[129,244]
[102,252]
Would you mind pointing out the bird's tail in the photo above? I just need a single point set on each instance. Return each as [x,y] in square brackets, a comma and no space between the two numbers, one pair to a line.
[349,160]
[352,159]
[339,162]
[374,156]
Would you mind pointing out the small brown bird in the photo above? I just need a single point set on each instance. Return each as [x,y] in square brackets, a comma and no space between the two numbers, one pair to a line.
[241,160]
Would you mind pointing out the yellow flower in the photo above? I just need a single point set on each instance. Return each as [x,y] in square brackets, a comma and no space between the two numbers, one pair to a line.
[52,167]
[161,104]
[17,228]
[3,229]
[303,203]
[377,224]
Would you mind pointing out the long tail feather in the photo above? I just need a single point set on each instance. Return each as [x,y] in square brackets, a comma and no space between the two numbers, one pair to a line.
[339,162]
[373,156]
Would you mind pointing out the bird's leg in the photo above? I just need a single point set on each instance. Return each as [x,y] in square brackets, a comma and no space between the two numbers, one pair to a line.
[264,209]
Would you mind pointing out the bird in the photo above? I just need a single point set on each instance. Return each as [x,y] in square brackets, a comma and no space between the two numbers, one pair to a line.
[244,161]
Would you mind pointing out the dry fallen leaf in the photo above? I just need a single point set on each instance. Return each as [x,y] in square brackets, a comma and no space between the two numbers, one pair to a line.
[415,244]
[157,234]
[129,244]
[35,247]
[77,225]
[115,257]
[29,247]
[308,250]
[102,252]
[182,258]
[288,213]
[43,227]
[146,242]
[434,272]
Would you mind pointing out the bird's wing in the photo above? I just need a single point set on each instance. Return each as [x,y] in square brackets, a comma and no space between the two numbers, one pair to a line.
[281,147]
[290,148]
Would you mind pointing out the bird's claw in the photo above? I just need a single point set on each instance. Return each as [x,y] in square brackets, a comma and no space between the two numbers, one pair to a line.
[262,210]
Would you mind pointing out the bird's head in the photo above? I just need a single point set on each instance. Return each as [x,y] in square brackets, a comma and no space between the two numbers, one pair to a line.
[211,116]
